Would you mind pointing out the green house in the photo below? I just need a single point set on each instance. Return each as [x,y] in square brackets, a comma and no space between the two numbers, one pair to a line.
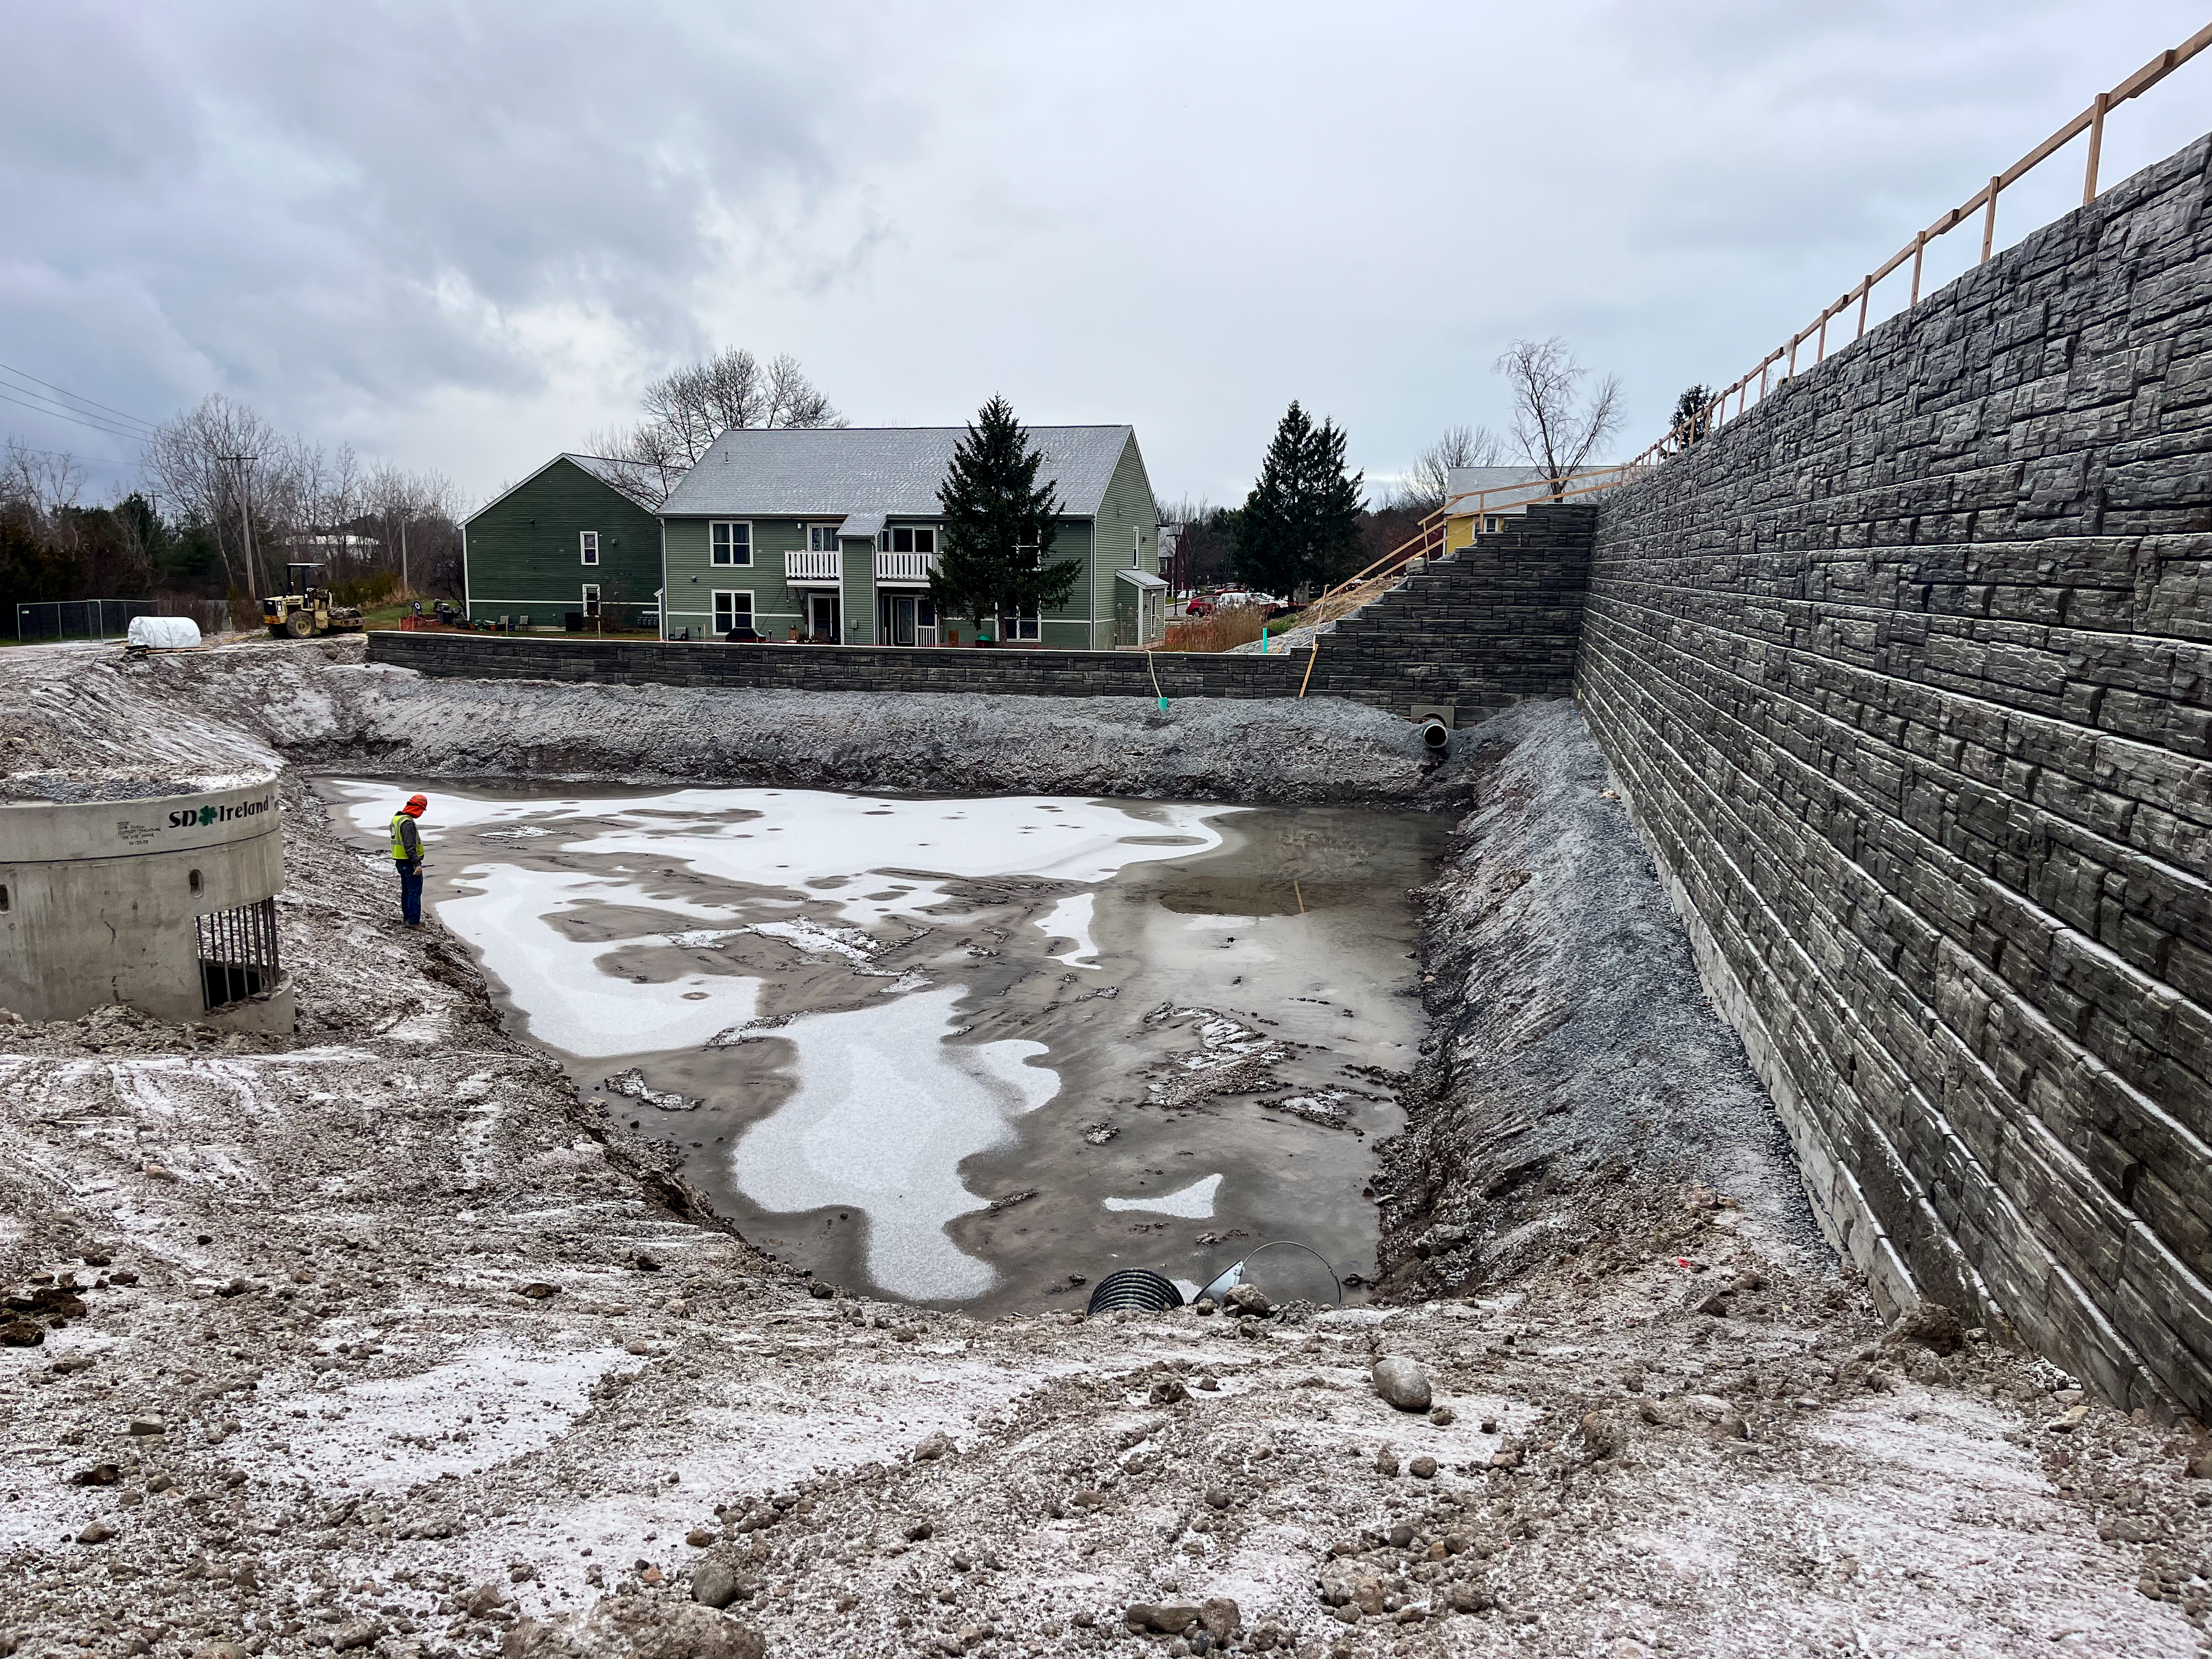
[575,539]
[830,535]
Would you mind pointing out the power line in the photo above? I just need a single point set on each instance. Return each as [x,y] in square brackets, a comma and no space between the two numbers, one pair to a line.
[79,420]
[76,397]
[56,405]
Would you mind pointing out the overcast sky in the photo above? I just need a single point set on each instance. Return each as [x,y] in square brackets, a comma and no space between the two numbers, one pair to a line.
[463,236]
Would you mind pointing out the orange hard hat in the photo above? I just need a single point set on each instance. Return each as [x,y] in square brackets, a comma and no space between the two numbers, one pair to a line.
[415,804]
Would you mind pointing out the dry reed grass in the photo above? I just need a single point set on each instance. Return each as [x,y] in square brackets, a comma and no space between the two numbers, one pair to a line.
[1234,625]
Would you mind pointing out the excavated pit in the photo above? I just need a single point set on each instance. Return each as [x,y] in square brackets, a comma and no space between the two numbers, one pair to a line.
[378,1339]
[978,1052]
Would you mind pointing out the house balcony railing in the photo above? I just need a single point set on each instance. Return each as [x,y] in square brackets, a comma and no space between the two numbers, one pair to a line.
[905,567]
[805,567]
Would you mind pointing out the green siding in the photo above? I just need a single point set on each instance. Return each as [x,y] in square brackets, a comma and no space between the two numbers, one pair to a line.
[694,578]
[1129,521]
[859,604]
[1128,536]
[524,552]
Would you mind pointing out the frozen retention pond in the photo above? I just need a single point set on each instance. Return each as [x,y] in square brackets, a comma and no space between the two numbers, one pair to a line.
[961,1050]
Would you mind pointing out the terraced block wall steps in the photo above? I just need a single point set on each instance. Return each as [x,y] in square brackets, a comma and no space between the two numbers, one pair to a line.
[1908,676]
[1492,625]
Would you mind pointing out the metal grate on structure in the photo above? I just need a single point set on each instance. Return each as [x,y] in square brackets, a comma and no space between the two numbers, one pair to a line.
[237,952]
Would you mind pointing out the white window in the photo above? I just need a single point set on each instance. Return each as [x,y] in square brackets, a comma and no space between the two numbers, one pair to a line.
[907,538]
[733,542]
[822,538]
[733,608]
[591,599]
[590,541]
[1018,624]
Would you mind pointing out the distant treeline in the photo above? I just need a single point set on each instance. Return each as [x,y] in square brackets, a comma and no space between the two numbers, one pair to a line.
[208,533]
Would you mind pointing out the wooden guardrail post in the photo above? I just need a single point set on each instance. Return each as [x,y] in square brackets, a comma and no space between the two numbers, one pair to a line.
[2096,148]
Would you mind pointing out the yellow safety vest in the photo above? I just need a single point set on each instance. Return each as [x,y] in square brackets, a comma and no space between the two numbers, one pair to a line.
[400,853]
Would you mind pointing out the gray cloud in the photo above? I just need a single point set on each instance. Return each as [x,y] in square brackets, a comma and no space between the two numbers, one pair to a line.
[464,236]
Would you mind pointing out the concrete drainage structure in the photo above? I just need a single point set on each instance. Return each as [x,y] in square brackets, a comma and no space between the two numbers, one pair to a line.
[160,894]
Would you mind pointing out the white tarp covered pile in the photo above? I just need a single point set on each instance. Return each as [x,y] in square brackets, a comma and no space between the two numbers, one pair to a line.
[164,633]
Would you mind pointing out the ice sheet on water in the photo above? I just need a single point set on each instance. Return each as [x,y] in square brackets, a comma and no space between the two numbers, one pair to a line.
[1194,1203]
[1070,919]
[571,1003]
[885,1112]
[793,837]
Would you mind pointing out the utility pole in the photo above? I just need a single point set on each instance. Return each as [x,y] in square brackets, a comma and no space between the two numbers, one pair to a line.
[402,553]
[244,465]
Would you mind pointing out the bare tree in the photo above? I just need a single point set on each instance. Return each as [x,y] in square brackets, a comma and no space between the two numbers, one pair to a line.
[194,461]
[255,489]
[1425,486]
[685,412]
[413,515]
[1556,425]
[644,464]
[38,481]
[794,400]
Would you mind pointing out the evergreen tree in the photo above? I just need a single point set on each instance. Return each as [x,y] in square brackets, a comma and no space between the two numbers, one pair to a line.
[1300,528]
[1692,420]
[999,525]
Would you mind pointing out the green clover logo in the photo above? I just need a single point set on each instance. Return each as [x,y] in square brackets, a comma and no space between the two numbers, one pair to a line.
[207,815]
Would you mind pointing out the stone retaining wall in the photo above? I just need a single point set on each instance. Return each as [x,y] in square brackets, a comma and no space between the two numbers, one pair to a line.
[1490,627]
[1908,676]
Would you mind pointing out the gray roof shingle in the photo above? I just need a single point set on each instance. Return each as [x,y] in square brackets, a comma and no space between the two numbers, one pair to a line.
[826,471]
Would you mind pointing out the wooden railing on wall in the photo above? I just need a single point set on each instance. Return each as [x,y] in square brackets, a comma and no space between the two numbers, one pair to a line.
[1428,541]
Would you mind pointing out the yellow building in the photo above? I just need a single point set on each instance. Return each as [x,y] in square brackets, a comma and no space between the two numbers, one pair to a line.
[1481,498]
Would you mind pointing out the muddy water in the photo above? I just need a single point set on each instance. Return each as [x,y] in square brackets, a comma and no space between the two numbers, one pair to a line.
[972,1052]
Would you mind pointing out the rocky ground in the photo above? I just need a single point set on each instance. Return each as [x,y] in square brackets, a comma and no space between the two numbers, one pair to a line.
[376,1338]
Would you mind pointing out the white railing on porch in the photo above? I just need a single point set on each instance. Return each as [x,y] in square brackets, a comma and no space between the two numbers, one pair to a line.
[802,567]
[905,567]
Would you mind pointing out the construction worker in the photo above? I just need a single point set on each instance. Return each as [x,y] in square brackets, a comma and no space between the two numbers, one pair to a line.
[407,857]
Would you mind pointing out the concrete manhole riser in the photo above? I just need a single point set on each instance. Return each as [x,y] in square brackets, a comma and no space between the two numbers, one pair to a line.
[160,896]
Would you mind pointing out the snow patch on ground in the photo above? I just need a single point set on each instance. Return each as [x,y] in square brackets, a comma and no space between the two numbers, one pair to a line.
[492,1403]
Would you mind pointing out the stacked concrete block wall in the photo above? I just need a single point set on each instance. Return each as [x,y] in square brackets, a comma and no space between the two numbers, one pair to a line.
[877,668]
[1494,624]
[1489,627]
[1908,676]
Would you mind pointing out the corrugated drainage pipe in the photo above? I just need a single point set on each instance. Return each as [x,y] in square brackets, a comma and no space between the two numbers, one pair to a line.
[1132,1290]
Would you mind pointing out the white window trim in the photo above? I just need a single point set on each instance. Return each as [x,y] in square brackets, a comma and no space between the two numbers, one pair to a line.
[883,540]
[732,563]
[827,532]
[587,546]
[732,594]
[591,599]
